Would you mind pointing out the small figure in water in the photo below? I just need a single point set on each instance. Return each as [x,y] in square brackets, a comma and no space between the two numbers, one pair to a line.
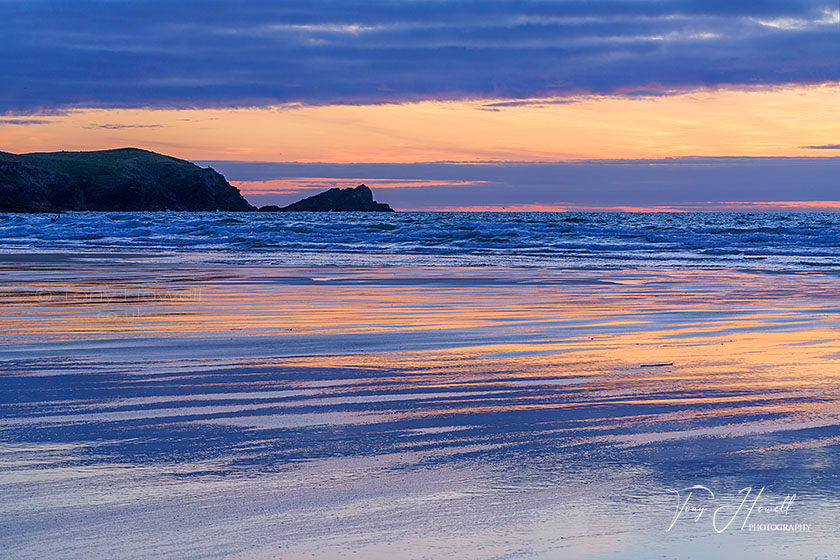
[56,217]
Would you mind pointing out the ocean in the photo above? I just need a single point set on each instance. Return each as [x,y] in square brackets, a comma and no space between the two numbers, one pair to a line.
[571,240]
[419,385]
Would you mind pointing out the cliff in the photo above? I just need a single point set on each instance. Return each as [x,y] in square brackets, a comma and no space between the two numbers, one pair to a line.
[126,179]
[358,199]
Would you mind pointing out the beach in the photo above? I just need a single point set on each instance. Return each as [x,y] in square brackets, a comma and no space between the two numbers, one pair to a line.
[171,405]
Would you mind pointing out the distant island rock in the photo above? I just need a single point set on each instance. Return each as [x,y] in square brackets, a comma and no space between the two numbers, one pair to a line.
[126,179]
[358,199]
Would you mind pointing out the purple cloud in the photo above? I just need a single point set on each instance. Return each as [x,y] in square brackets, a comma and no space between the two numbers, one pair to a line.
[683,181]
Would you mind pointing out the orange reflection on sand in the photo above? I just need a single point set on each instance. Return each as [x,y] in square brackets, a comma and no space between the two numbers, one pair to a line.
[665,353]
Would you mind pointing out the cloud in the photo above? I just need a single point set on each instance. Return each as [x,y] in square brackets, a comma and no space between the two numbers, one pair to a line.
[829,16]
[24,121]
[155,53]
[527,103]
[111,126]
[824,147]
[709,206]
[743,183]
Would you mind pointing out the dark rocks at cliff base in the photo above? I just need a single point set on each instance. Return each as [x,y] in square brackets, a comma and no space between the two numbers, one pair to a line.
[358,199]
[126,179]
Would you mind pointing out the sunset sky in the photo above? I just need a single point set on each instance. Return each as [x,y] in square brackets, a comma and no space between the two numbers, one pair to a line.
[446,104]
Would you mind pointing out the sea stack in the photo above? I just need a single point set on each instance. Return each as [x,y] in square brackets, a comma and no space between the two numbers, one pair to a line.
[358,199]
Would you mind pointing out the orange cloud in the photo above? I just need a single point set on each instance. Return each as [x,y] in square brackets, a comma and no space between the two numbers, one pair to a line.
[769,121]
[774,206]
[826,205]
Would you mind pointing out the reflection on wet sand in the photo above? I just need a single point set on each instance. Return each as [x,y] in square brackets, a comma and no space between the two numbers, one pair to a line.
[420,412]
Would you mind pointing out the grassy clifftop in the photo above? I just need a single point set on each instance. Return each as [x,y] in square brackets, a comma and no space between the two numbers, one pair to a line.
[125,179]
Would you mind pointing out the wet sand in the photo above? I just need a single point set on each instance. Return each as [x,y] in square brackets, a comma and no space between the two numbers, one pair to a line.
[156,409]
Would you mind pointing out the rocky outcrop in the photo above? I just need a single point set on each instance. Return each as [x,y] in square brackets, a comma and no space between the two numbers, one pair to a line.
[358,199]
[126,179]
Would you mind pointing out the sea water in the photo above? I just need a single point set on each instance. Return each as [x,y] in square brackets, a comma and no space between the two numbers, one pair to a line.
[576,240]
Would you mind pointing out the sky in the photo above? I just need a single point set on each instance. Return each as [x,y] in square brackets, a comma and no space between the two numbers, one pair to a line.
[482,105]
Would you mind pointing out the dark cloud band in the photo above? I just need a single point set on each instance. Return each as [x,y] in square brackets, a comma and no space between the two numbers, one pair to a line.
[57,54]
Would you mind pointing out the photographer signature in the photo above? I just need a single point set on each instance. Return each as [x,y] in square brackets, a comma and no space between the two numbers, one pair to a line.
[690,505]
